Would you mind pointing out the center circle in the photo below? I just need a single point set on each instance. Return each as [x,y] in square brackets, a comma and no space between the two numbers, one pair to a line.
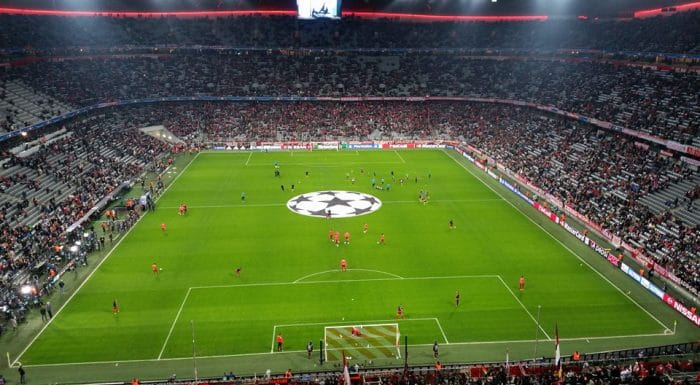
[336,204]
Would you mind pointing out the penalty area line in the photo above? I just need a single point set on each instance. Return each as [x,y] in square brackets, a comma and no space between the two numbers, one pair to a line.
[274,333]
[524,308]
[344,280]
[560,242]
[100,264]
[437,321]
[172,327]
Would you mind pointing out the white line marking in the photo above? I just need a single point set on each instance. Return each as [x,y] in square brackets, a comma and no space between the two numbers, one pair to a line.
[316,165]
[284,204]
[441,330]
[248,160]
[561,243]
[336,271]
[172,327]
[228,206]
[98,266]
[400,157]
[339,281]
[338,324]
[524,308]
[303,351]
[272,346]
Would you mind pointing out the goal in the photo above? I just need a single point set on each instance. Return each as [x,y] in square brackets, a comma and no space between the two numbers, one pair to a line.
[364,342]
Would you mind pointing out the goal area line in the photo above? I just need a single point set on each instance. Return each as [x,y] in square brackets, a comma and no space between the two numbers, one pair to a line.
[375,334]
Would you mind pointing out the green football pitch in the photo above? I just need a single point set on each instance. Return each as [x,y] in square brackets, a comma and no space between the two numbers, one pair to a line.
[290,282]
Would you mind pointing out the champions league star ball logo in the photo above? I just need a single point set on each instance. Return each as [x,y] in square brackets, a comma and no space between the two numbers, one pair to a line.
[341,204]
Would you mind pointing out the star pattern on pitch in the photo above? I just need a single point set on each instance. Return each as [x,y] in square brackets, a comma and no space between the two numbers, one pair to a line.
[340,204]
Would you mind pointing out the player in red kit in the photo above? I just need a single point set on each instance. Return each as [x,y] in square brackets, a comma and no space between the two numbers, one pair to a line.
[330,234]
[347,237]
[365,228]
[343,265]
[162,227]
[336,238]
[381,239]
[280,342]
[522,283]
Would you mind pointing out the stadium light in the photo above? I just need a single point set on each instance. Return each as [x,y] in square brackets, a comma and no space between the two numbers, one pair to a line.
[360,14]
[26,289]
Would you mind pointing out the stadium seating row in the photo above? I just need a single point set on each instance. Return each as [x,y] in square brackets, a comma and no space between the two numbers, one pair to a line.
[45,189]
[659,103]
[668,34]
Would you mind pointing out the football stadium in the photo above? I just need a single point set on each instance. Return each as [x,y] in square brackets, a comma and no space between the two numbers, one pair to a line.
[349,192]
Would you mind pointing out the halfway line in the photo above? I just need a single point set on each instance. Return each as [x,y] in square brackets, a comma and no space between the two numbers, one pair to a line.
[284,204]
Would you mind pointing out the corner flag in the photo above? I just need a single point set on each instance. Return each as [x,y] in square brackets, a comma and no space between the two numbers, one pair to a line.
[557,354]
[346,373]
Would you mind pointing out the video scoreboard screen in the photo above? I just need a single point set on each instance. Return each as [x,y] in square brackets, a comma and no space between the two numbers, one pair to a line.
[318,9]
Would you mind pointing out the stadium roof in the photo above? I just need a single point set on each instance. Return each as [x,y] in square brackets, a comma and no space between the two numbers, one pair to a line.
[591,8]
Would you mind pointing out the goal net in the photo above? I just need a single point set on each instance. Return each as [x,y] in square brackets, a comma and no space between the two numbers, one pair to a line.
[362,342]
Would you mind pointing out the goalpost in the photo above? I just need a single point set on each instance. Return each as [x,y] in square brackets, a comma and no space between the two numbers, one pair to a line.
[363,341]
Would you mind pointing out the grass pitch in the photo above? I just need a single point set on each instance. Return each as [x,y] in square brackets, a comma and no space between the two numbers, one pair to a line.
[290,282]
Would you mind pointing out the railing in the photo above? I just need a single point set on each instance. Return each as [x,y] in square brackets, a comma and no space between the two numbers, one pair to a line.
[650,356]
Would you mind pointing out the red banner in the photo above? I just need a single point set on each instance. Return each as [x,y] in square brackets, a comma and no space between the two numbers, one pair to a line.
[679,307]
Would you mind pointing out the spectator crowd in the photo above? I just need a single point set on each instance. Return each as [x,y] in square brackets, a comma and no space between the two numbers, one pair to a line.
[602,175]
[47,33]
[660,103]
[45,192]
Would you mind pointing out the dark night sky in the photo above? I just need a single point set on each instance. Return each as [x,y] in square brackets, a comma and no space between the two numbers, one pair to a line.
[452,7]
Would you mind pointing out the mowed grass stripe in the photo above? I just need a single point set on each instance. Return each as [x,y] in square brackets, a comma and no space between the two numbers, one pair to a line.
[374,341]
[271,244]
[337,341]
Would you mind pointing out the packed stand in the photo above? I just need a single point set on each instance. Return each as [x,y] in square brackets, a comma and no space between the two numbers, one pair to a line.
[221,122]
[30,34]
[602,176]
[659,103]
[45,192]
[21,106]
[674,371]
